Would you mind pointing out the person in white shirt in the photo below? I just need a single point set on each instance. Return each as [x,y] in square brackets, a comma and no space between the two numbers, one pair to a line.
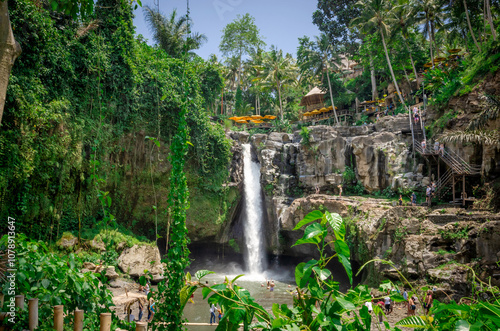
[387,303]
[212,313]
[369,305]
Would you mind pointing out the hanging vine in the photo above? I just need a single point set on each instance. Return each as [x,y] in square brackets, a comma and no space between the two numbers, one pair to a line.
[168,296]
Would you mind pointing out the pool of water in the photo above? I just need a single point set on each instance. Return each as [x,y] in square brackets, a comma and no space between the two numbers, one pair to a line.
[199,312]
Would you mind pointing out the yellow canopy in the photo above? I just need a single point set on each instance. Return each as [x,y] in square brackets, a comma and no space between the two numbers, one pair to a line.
[270,117]
[323,110]
[256,121]
[330,108]
[315,112]
[241,121]
[256,117]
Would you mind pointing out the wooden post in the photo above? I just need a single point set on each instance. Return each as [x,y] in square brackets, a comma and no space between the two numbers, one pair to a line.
[20,301]
[463,190]
[141,326]
[58,318]
[33,313]
[453,188]
[78,320]
[105,322]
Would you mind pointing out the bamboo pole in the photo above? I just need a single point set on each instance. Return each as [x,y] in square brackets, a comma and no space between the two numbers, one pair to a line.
[33,313]
[141,326]
[105,322]
[58,318]
[20,301]
[78,321]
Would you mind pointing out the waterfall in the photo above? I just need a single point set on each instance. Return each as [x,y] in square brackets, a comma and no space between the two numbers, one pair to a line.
[253,212]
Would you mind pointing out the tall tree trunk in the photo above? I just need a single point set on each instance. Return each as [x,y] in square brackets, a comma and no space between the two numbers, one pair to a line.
[430,42]
[374,82]
[470,26]
[390,69]
[331,95]
[9,51]
[412,62]
[279,96]
[490,19]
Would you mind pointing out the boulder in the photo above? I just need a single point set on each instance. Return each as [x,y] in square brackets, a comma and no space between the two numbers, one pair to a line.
[97,245]
[138,258]
[68,241]
[89,265]
[111,273]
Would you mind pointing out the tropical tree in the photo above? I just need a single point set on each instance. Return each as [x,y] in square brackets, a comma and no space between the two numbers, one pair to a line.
[429,13]
[172,33]
[402,19]
[375,13]
[10,49]
[278,71]
[239,38]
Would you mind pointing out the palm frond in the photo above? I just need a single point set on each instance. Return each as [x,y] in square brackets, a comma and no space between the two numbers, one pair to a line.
[491,112]
[479,136]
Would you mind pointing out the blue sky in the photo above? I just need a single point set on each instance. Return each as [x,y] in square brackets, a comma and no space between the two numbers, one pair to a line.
[281,22]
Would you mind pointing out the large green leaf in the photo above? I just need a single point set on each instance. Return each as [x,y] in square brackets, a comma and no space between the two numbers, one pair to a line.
[462,325]
[347,305]
[312,235]
[312,216]
[333,219]
[202,273]
[341,248]
[323,274]
[185,294]
[347,265]
[411,322]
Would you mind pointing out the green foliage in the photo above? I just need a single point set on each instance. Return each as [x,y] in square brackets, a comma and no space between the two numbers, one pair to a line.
[234,245]
[305,134]
[76,111]
[240,37]
[55,280]
[458,232]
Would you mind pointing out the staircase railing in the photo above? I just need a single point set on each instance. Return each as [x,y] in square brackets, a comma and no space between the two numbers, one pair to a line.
[452,159]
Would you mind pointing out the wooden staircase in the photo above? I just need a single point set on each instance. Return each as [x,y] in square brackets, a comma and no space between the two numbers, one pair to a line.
[457,168]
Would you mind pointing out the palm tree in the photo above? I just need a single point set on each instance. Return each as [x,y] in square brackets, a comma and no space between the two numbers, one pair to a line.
[277,71]
[172,34]
[375,13]
[403,17]
[430,15]
[315,58]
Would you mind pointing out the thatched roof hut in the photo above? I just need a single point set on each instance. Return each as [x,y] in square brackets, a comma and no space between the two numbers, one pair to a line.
[313,100]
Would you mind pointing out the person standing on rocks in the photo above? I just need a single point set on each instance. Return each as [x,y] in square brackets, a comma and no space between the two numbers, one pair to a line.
[412,306]
[400,201]
[413,199]
[428,302]
[340,190]
[212,314]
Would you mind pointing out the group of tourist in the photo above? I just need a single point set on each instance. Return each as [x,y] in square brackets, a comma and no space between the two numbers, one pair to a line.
[387,305]
[438,147]
[150,306]
[213,311]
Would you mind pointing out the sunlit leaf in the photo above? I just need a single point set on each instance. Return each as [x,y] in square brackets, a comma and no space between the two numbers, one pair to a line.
[312,216]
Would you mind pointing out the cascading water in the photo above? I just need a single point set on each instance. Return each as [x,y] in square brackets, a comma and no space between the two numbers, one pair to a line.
[253,213]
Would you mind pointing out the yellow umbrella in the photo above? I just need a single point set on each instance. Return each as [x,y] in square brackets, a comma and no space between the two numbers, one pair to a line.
[454,50]
[233,118]
[256,121]
[315,112]
[307,114]
[256,117]
[439,59]
[241,121]
[270,117]
[323,110]
[330,108]
[428,65]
